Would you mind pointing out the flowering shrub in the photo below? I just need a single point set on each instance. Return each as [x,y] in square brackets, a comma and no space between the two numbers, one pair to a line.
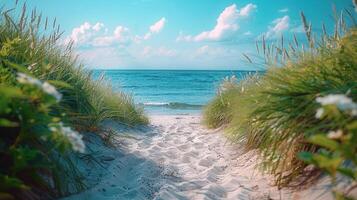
[30,132]
[73,137]
[44,91]
[338,153]
[46,87]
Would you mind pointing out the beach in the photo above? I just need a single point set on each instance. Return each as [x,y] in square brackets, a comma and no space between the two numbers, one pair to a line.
[175,157]
[161,100]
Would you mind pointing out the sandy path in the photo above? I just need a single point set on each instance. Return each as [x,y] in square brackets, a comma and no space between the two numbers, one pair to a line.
[176,158]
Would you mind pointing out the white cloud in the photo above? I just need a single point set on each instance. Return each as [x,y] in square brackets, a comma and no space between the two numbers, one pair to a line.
[98,26]
[183,37]
[284,10]
[105,57]
[214,51]
[248,33]
[279,26]
[246,10]
[147,36]
[83,33]
[97,35]
[298,29]
[203,50]
[225,27]
[120,35]
[158,26]
[226,24]
[161,51]
[155,28]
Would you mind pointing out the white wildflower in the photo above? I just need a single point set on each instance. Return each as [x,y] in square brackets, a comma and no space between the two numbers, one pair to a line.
[335,134]
[341,101]
[354,112]
[319,113]
[30,67]
[333,99]
[53,129]
[49,89]
[73,137]
[46,87]
[25,79]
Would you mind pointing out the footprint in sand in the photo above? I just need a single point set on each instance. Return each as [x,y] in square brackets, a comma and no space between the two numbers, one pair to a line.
[192,153]
[179,159]
[184,147]
[162,144]
[207,161]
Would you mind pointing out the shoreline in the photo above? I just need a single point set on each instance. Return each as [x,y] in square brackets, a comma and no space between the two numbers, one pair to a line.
[175,157]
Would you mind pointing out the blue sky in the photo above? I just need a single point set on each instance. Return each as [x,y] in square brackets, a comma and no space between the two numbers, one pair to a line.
[178,34]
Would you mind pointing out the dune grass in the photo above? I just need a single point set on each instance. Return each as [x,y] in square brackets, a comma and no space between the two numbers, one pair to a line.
[46,96]
[86,100]
[274,113]
[222,110]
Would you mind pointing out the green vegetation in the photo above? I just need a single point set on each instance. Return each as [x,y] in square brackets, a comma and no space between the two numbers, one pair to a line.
[43,92]
[275,112]
[338,153]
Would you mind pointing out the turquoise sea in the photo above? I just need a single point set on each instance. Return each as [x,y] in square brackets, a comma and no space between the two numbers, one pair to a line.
[169,91]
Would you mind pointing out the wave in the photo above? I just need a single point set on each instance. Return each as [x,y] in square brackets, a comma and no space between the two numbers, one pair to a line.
[154,104]
[172,105]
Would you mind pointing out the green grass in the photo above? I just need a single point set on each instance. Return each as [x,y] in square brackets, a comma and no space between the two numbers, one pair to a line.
[223,108]
[87,102]
[36,144]
[274,113]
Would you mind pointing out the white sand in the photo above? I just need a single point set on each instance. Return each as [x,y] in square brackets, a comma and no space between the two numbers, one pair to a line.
[177,158]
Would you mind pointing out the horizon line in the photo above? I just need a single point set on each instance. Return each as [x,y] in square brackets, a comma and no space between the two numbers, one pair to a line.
[177,69]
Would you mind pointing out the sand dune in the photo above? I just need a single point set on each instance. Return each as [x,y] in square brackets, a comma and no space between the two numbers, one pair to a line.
[177,158]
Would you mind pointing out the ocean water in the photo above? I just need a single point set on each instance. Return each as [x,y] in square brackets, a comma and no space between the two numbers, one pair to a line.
[169,91]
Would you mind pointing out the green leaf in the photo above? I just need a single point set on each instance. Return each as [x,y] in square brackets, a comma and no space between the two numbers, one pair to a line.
[347,172]
[23,157]
[352,126]
[7,123]
[7,182]
[328,163]
[17,67]
[306,156]
[11,92]
[323,141]
[60,84]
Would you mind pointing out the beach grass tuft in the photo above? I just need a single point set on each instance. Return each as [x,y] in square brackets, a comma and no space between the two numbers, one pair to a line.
[47,98]
[275,112]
